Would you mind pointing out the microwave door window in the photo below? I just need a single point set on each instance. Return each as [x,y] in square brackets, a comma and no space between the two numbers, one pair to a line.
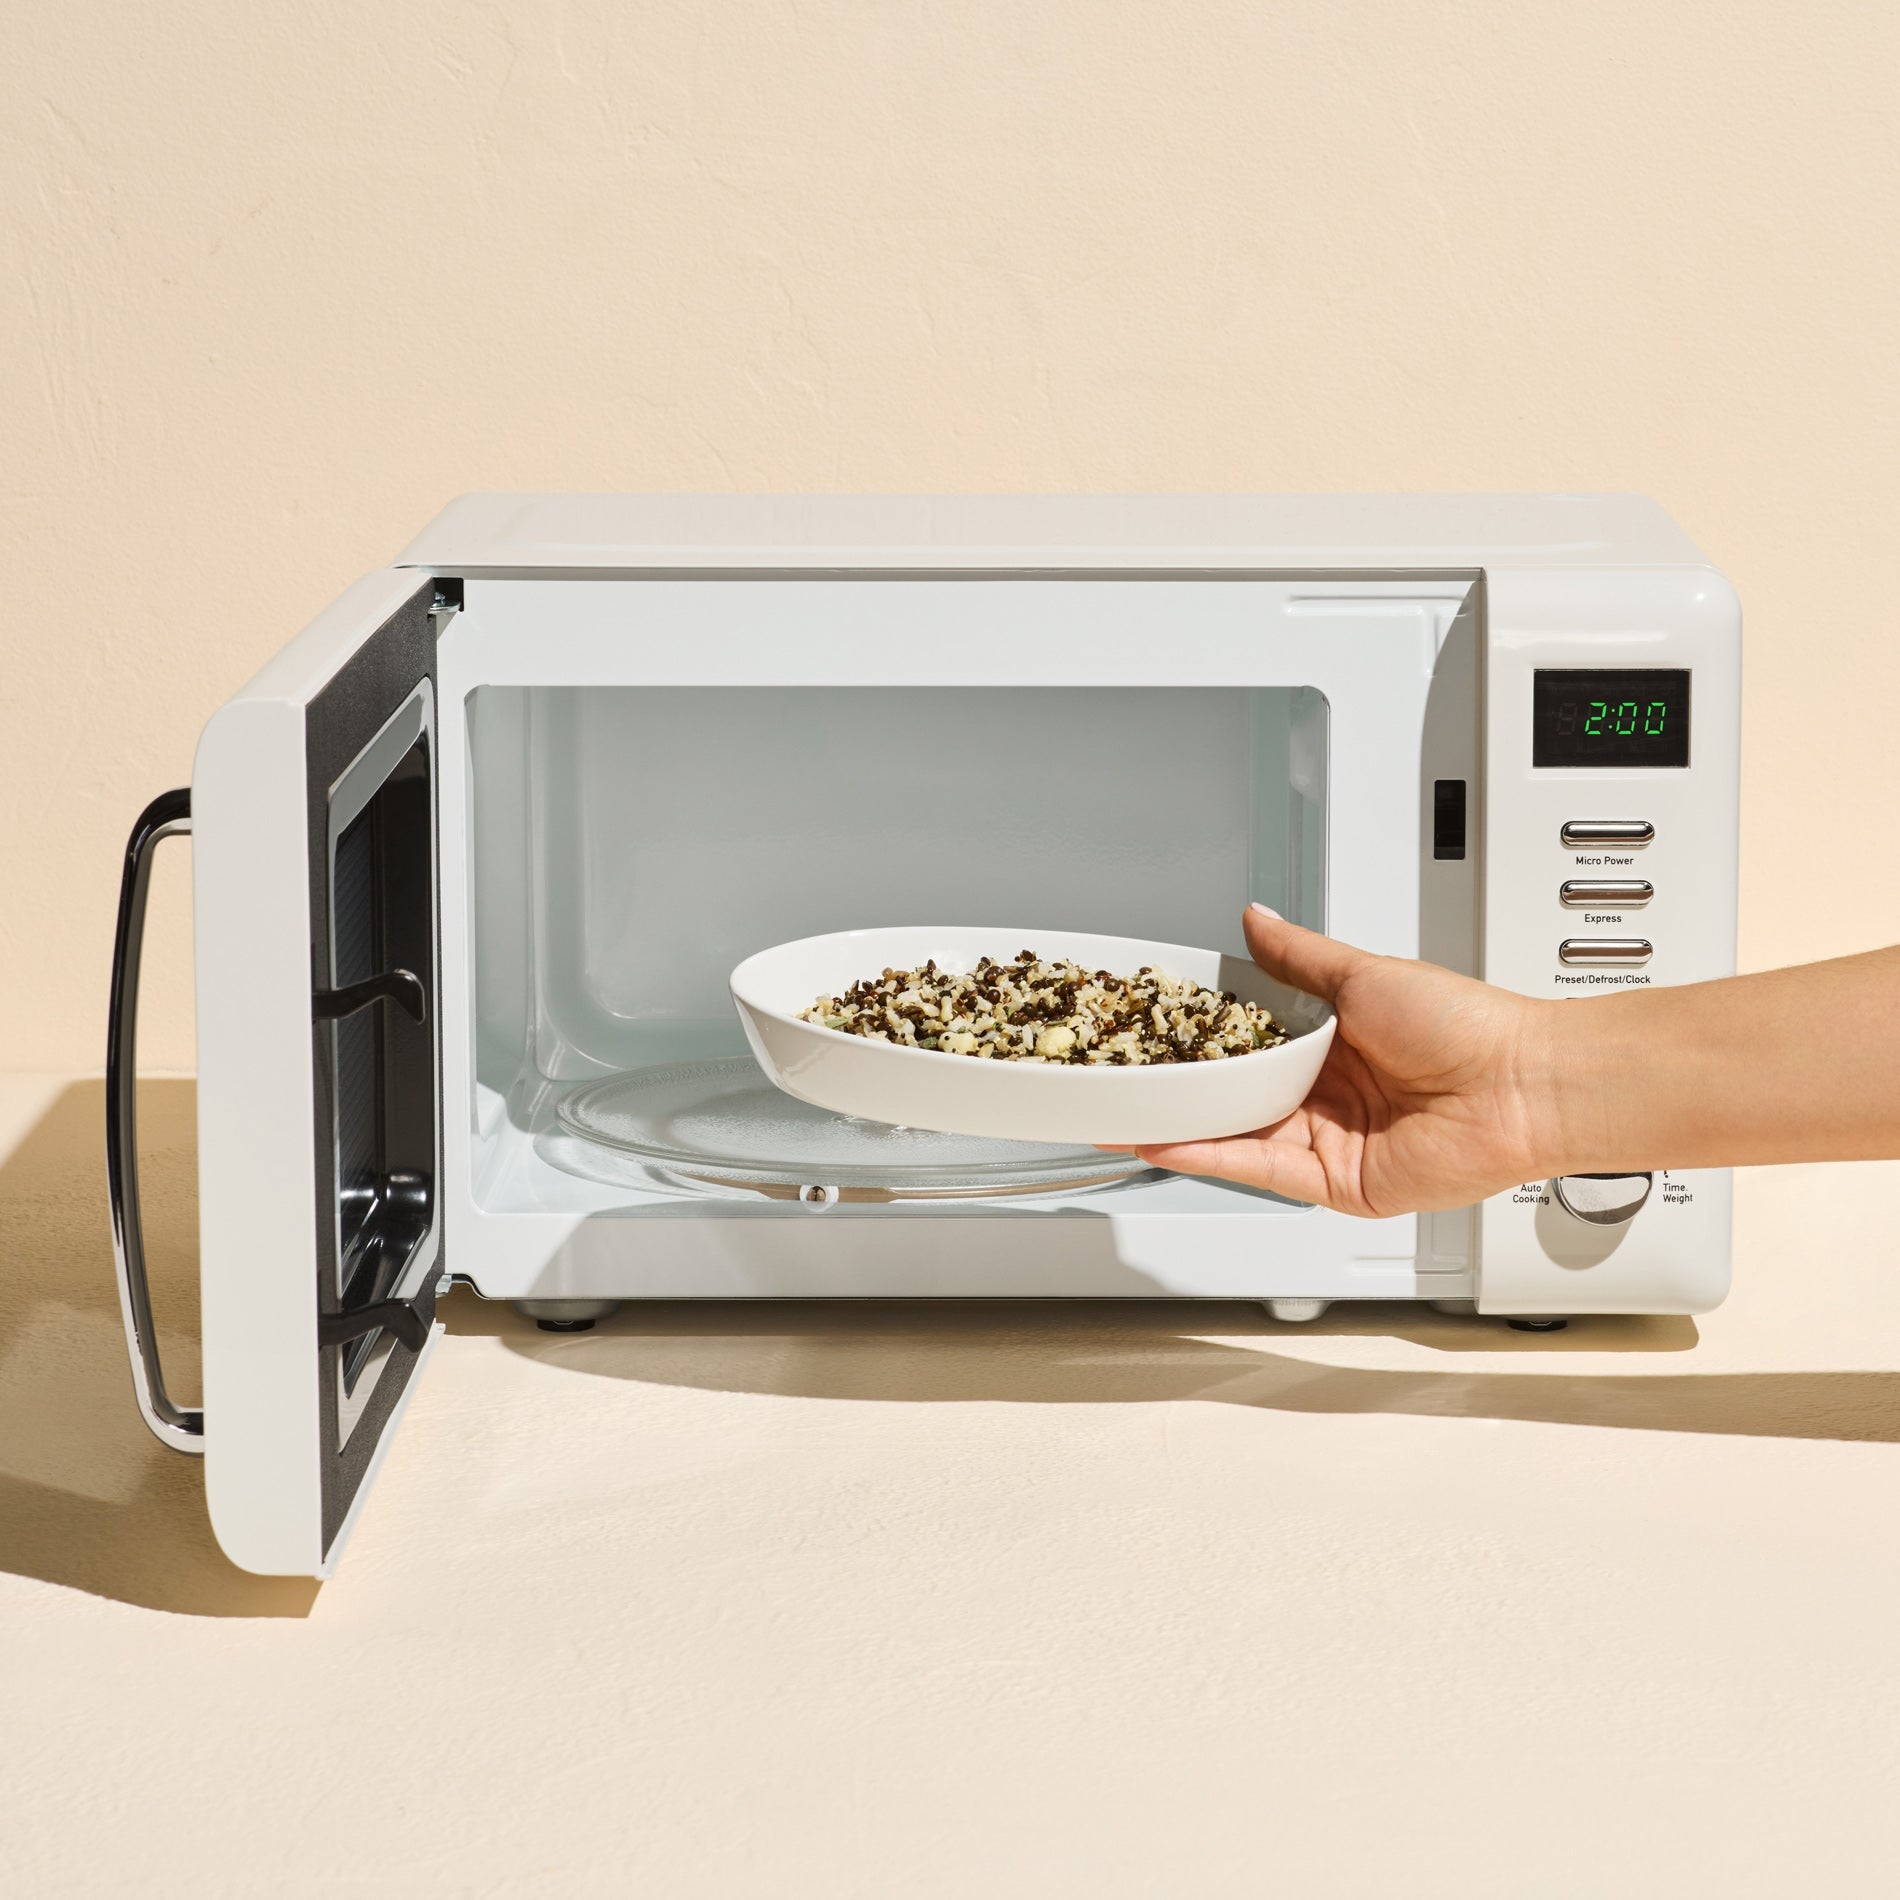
[384,1060]
[383,1195]
[358,1067]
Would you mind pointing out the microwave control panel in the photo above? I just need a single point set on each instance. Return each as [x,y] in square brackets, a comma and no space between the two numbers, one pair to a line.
[1612,722]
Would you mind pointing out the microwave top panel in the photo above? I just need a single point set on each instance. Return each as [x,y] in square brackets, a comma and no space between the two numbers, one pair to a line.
[629,534]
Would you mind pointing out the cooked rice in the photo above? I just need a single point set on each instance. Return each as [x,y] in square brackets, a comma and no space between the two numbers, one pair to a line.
[1032,1010]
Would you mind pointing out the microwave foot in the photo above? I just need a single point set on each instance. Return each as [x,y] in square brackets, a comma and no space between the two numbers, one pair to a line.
[1542,1324]
[1296,1312]
[566,1316]
[1454,1309]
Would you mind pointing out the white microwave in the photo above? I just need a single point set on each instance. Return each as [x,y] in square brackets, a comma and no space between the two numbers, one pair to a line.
[475,853]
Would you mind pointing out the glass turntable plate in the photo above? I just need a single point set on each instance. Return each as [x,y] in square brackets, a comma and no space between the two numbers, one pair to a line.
[722,1123]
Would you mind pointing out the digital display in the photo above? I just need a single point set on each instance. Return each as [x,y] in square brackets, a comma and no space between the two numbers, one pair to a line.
[1622,716]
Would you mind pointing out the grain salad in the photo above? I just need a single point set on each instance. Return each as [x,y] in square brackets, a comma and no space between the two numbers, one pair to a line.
[1037,1010]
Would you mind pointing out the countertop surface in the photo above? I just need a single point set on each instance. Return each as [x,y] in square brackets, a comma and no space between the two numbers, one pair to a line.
[975,1600]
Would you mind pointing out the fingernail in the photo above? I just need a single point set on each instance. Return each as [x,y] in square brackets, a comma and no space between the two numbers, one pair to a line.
[1265,912]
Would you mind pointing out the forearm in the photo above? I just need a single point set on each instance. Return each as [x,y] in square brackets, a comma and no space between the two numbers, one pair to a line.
[1789,1065]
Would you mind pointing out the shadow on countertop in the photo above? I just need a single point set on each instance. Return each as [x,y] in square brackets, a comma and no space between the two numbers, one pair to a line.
[88,1498]
[89,1501]
[1135,1352]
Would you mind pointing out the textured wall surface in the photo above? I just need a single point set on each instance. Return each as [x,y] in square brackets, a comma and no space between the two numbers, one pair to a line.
[276,279]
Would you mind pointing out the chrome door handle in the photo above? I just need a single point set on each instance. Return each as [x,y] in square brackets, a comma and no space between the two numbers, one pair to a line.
[167,816]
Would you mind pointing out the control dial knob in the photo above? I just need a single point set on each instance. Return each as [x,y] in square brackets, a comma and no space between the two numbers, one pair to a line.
[1604,1200]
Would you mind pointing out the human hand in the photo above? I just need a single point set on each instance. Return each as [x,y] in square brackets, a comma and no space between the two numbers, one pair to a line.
[1433,1094]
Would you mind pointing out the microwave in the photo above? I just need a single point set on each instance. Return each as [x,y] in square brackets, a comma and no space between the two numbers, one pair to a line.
[474,855]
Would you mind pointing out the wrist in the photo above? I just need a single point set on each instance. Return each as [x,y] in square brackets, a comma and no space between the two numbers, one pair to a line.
[1593,1090]
[1559,1088]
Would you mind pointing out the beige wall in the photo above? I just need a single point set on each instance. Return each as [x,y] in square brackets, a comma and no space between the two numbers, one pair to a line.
[276,279]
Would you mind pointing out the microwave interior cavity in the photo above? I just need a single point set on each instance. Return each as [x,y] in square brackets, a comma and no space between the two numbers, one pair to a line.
[632,844]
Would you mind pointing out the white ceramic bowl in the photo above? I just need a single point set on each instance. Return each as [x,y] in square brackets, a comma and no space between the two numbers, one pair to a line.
[1020,1101]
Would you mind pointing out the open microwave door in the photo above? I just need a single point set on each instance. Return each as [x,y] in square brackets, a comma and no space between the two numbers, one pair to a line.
[319,1070]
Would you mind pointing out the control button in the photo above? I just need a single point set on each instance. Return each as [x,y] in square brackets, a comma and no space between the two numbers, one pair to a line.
[1609,831]
[1604,950]
[1604,1200]
[1582,893]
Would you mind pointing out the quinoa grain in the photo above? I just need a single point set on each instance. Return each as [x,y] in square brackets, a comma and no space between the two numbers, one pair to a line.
[1029,1010]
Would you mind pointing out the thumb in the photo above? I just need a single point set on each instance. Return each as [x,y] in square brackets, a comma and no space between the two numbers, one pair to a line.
[1318,965]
